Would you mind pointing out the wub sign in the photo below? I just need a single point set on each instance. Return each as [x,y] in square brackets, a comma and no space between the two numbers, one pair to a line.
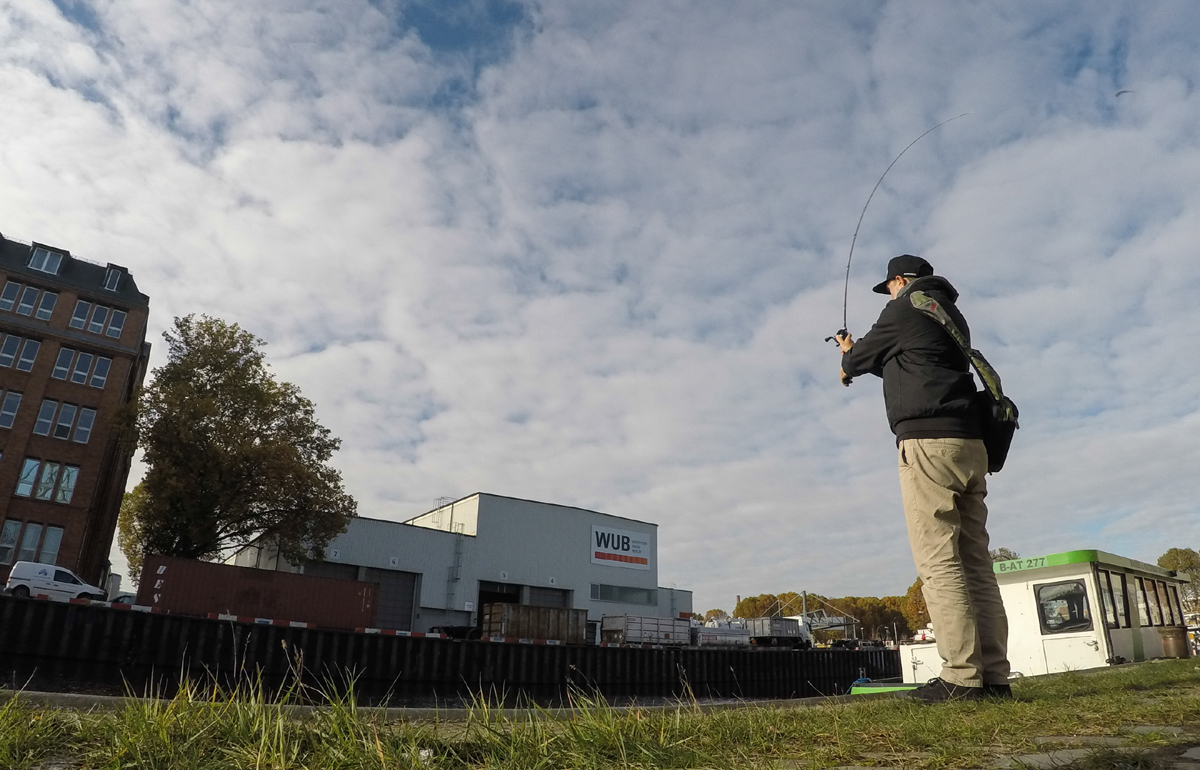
[620,548]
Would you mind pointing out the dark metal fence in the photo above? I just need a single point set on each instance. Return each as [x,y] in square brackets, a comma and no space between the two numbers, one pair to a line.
[73,647]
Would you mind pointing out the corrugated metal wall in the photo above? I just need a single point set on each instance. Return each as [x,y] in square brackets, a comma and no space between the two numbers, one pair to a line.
[397,593]
[65,647]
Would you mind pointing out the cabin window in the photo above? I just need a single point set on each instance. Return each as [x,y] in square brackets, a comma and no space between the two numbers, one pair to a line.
[1107,599]
[1144,604]
[1063,607]
[1156,612]
[1164,600]
[1175,603]
[1120,598]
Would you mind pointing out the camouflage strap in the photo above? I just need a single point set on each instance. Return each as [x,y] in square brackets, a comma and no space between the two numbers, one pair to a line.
[927,305]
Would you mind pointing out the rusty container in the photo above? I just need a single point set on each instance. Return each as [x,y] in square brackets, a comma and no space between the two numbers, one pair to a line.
[524,622]
[1174,641]
[190,587]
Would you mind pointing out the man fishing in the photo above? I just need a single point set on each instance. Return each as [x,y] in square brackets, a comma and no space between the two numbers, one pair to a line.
[930,400]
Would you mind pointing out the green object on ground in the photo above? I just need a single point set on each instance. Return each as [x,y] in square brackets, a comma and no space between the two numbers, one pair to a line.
[867,688]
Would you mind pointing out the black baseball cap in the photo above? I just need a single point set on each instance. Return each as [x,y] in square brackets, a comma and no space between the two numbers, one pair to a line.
[906,265]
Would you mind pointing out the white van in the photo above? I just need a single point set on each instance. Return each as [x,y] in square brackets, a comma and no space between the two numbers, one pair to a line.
[29,578]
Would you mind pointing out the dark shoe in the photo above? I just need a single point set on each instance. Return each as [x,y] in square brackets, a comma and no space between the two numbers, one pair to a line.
[997,691]
[940,691]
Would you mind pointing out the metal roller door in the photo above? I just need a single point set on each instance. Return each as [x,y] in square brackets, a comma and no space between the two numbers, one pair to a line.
[397,594]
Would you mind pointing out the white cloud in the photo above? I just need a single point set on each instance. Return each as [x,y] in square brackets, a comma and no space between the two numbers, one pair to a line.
[601,274]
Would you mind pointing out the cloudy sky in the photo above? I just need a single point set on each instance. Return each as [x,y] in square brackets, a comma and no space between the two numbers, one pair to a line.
[586,253]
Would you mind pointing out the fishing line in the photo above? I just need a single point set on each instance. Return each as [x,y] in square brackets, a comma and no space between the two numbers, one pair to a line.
[846,290]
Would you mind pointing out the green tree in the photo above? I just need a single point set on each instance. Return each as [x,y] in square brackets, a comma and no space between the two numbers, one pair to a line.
[233,455]
[916,612]
[1186,561]
[718,614]
[1003,554]
[129,530]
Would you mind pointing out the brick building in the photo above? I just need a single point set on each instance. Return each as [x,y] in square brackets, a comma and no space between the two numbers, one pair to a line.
[72,351]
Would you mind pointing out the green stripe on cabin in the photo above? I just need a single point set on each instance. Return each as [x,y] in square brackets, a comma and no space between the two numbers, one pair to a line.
[1084,557]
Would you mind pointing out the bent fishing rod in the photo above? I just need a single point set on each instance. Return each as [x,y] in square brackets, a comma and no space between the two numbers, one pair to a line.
[846,290]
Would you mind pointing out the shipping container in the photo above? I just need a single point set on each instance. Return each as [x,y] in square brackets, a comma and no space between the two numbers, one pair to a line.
[522,621]
[722,636]
[190,587]
[639,629]
[773,628]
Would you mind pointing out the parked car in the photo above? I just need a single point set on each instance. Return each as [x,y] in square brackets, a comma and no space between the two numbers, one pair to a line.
[124,599]
[29,578]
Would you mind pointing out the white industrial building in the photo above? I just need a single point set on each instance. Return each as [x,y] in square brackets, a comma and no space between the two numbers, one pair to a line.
[440,568]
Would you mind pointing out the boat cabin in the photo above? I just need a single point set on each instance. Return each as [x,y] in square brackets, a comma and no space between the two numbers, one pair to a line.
[1078,610]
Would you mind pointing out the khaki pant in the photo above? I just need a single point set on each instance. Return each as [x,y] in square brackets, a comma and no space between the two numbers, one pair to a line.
[943,484]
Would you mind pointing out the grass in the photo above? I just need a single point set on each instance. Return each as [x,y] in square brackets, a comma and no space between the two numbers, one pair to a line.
[201,728]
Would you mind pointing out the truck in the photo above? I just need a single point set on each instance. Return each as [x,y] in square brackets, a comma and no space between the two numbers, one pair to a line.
[640,629]
[779,632]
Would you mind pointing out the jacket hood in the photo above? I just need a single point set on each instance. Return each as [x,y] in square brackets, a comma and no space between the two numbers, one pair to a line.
[931,283]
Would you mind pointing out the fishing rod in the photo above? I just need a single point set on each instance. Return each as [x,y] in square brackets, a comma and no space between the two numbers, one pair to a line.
[846,290]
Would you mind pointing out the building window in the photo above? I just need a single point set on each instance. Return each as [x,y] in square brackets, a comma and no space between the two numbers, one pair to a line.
[28,477]
[99,317]
[28,300]
[46,481]
[1119,599]
[1063,607]
[12,290]
[116,323]
[8,409]
[624,594]
[80,316]
[46,307]
[28,355]
[82,364]
[45,418]
[33,533]
[45,260]
[66,419]
[83,430]
[100,375]
[8,540]
[8,351]
[66,484]
[112,279]
[50,544]
[62,367]
[50,484]
[1164,601]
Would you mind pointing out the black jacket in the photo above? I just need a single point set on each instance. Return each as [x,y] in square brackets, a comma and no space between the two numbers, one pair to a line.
[927,384]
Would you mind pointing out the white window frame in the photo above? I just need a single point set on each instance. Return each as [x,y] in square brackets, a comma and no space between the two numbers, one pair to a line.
[50,535]
[7,302]
[112,279]
[31,528]
[80,320]
[25,362]
[114,327]
[8,358]
[64,488]
[46,414]
[82,367]
[10,535]
[44,312]
[59,366]
[97,376]
[28,301]
[65,422]
[9,415]
[99,320]
[25,479]
[49,263]
[84,425]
